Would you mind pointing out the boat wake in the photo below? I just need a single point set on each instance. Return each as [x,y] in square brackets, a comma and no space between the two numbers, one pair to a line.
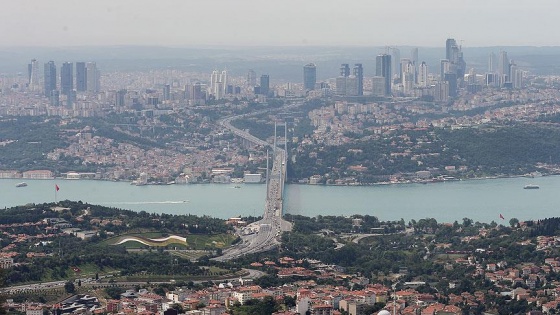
[144,202]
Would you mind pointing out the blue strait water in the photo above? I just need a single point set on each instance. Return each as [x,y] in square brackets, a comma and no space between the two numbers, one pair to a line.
[480,200]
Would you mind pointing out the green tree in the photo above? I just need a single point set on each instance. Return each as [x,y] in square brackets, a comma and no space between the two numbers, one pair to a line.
[513,222]
[114,292]
[70,287]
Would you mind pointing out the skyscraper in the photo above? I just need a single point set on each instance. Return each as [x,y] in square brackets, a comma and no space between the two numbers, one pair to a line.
[33,69]
[120,96]
[414,58]
[224,80]
[341,81]
[81,77]
[451,79]
[383,69]
[503,67]
[265,84]
[92,77]
[309,76]
[344,70]
[359,74]
[218,84]
[492,62]
[166,92]
[67,78]
[251,78]
[450,45]
[395,63]
[423,75]
[454,55]
[50,78]
[408,74]
[445,66]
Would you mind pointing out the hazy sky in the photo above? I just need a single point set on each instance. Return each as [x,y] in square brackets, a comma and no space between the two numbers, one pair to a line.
[279,22]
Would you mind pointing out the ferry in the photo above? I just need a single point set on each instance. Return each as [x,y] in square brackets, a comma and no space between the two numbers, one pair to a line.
[22,184]
[531,186]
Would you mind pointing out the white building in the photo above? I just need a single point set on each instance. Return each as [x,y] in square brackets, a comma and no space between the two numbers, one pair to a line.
[252,178]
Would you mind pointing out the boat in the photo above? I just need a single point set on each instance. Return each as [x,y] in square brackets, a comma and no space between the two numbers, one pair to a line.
[531,186]
[237,187]
[22,184]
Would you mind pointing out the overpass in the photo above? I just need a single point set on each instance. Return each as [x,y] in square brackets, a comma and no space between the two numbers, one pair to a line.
[264,234]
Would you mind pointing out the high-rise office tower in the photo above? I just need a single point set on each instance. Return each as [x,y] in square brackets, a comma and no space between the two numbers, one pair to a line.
[341,88]
[450,48]
[414,56]
[492,62]
[265,84]
[166,92]
[341,85]
[196,92]
[251,78]
[33,72]
[451,79]
[54,98]
[344,70]
[516,76]
[408,74]
[378,86]
[92,77]
[445,67]
[454,55]
[81,77]
[67,78]
[70,98]
[383,69]
[503,67]
[120,97]
[414,59]
[49,78]
[359,74]
[351,85]
[309,76]
[224,81]
[395,63]
[214,79]
[29,67]
[218,84]
[423,74]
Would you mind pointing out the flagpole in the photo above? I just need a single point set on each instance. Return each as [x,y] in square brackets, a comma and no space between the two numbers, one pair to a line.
[55,191]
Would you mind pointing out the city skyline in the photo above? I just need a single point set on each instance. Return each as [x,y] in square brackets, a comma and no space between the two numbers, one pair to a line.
[294,23]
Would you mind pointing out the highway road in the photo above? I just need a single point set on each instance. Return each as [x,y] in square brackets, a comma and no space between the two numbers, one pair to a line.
[264,234]
[90,282]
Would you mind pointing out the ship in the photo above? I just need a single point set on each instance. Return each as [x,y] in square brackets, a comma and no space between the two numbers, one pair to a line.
[22,184]
[531,186]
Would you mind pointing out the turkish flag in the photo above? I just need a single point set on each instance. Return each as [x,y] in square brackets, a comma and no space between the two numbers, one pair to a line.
[56,187]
